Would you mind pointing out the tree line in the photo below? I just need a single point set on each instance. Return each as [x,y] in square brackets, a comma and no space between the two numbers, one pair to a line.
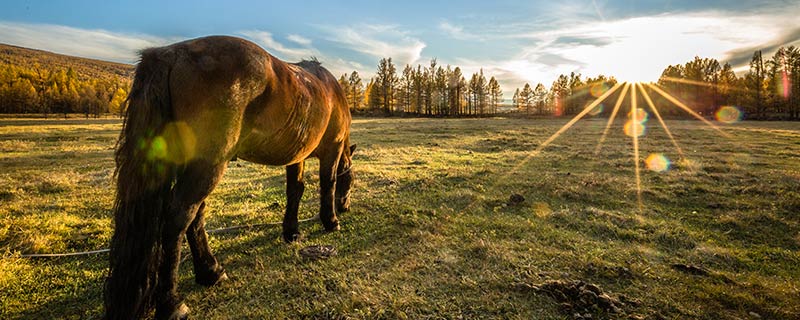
[768,90]
[34,89]
[432,90]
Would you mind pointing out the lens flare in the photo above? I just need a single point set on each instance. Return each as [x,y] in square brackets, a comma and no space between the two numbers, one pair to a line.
[657,162]
[641,115]
[634,128]
[158,149]
[728,114]
[787,86]
[597,110]
[687,109]
[598,89]
[660,120]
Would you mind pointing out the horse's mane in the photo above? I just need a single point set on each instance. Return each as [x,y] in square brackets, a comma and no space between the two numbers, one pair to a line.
[310,64]
[313,66]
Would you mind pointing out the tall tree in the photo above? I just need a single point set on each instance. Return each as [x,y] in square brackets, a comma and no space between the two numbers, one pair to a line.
[355,95]
[526,97]
[495,95]
[406,88]
[755,82]
[456,84]
[558,94]
[515,101]
[344,82]
[385,79]
[540,98]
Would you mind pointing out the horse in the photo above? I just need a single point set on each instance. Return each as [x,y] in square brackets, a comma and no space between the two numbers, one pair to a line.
[194,106]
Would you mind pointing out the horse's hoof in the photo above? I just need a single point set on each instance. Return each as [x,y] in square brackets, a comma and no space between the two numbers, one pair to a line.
[291,237]
[211,278]
[181,313]
[333,226]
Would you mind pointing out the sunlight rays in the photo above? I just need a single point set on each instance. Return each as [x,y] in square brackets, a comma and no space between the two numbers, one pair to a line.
[566,127]
[577,117]
[687,109]
[635,137]
[703,84]
[635,127]
[660,120]
[611,119]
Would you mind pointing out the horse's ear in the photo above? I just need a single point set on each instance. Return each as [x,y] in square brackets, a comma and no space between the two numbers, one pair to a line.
[352,149]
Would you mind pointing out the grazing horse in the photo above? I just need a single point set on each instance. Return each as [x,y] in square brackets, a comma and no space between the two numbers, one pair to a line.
[195,105]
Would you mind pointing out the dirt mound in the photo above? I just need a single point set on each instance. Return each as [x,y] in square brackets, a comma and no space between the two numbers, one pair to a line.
[317,252]
[583,300]
[515,199]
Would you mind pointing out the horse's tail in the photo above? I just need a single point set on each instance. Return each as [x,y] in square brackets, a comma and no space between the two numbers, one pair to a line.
[144,179]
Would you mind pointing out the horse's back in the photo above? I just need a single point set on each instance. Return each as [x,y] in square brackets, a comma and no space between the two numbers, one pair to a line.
[246,102]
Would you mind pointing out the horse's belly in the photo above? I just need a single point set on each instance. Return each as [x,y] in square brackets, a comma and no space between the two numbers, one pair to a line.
[276,151]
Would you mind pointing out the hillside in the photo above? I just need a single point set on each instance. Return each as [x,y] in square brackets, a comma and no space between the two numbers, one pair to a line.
[35,81]
[84,67]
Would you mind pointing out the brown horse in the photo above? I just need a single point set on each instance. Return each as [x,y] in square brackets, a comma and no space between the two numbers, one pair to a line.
[194,106]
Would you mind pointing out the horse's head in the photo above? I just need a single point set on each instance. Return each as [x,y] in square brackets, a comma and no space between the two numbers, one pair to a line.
[344,179]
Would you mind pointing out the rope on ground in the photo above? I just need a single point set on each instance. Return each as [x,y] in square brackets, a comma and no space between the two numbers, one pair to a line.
[220,230]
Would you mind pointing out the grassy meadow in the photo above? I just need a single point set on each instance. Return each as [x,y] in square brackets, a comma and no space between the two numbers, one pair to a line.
[451,218]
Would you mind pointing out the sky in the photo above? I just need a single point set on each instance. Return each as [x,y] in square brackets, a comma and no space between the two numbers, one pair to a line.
[518,42]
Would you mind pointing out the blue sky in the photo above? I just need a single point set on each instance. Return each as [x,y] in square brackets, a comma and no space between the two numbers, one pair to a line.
[516,41]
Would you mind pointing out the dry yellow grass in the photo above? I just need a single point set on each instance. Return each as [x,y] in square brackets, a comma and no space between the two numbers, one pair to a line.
[432,233]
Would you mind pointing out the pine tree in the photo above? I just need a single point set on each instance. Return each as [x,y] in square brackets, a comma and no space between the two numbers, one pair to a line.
[355,94]
[456,85]
[344,83]
[526,98]
[495,94]
[385,79]
[540,98]
[755,84]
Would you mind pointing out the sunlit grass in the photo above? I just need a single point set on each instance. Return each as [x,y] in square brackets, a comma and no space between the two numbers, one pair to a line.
[432,232]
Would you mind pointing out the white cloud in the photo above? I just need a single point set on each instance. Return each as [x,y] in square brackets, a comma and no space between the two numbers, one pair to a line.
[635,49]
[457,32]
[379,41]
[640,48]
[298,39]
[97,44]
[336,65]
[265,39]
[124,47]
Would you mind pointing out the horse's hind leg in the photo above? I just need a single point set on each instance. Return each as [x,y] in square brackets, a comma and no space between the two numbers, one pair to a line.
[189,191]
[207,271]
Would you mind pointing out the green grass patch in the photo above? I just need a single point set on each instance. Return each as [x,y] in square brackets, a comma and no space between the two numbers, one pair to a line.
[433,231]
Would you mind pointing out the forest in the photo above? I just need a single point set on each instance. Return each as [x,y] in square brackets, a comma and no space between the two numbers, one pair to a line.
[33,81]
[704,84]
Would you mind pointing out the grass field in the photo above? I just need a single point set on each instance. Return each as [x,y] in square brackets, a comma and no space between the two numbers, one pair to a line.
[433,232]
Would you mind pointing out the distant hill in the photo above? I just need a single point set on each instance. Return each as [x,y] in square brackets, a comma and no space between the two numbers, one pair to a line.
[85,68]
[36,81]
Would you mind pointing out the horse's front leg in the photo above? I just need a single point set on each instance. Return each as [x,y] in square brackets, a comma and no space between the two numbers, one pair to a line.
[327,181]
[294,191]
